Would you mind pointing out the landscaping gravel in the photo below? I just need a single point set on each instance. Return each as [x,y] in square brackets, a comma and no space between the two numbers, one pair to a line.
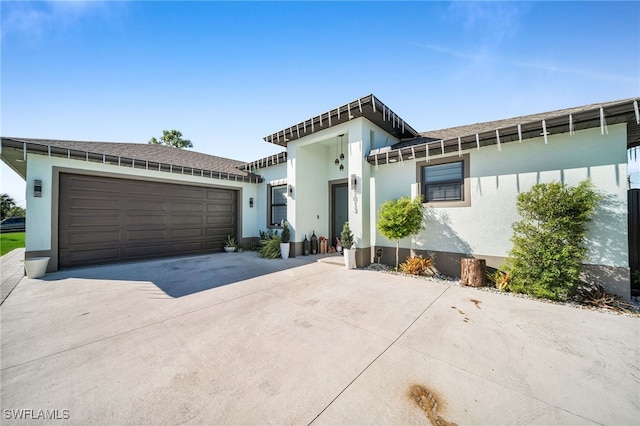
[633,311]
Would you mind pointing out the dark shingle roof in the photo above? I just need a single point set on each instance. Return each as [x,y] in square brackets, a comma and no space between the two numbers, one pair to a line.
[454,132]
[137,154]
[470,136]
[368,107]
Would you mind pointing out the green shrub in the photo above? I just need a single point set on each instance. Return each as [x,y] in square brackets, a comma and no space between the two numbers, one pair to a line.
[230,242]
[286,235]
[346,236]
[269,245]
[549,240]
[399,219]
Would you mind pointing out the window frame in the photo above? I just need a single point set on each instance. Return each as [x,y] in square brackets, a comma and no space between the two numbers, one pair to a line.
[465,192]
[270,189]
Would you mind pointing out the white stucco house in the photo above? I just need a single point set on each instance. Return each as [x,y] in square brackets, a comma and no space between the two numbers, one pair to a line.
[97,202]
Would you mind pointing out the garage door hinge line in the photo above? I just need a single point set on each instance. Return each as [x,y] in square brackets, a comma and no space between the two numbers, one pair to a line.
[380,354]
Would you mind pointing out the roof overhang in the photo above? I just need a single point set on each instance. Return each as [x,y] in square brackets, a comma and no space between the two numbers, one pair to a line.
[13,151]
[368,107]
[599,116]
[272,160]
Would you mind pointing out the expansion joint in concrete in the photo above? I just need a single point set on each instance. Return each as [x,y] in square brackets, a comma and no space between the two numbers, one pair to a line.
[380,354]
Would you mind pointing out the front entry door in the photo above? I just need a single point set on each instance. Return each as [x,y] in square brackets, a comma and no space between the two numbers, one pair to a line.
[339,210]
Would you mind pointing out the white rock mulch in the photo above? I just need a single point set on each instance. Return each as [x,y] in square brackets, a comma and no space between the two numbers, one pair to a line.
[634,310]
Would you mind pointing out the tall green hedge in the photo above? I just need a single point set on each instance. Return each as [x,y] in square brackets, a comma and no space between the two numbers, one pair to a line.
[549,241]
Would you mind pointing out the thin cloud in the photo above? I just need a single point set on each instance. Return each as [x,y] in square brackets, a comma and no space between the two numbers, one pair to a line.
[33,20]
[478,55]
[574,71]
[493,20]
[482,56]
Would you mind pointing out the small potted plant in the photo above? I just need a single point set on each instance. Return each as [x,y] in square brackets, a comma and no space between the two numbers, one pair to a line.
[346,239]
[284,240]
[230,244]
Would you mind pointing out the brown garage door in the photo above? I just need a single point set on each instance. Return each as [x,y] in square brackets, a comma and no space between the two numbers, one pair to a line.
[103,220]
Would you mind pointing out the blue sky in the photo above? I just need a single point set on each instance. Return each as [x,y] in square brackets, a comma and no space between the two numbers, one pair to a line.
[228,73]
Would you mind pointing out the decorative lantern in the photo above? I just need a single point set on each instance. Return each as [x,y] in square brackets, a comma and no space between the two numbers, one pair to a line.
[305,245]
[314,243]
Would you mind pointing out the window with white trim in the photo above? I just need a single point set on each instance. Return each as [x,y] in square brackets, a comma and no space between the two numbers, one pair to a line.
[278,207]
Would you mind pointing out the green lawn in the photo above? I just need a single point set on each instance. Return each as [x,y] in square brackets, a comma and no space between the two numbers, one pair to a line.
[10,241]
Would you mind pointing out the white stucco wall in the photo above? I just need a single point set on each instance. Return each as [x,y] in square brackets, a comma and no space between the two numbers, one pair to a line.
[310,171]
[362,139]
[269,174]
[311,167]
[497,177]
[39,210]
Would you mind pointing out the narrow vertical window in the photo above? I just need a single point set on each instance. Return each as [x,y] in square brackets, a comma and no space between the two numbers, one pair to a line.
[278,205]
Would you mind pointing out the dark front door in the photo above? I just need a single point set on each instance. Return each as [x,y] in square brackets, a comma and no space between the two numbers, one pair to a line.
[339,209]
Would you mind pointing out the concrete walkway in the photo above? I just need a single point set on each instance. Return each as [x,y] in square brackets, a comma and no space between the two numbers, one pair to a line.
[234,339]
[12,267]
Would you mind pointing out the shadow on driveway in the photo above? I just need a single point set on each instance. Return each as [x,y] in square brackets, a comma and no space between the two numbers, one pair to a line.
[182,276]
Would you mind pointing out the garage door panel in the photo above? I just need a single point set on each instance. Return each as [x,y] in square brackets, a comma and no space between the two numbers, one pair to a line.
[187,193]
[187,247]
[92,203]
[156,235]
[187,233]
[220,233]
[220,208]
[90,256]
[145,205]
[89,185]
[219,221]
[98,219]
[214,245]
[221,196]
[144,189]
[103,219]
[90,223]
[136,219]
[92,236]
[138,252]
[186,220]
[187,207]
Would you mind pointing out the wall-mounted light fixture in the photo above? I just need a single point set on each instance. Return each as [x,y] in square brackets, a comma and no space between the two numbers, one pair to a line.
[37,188]
[290,189]
[354,182]
[251,202]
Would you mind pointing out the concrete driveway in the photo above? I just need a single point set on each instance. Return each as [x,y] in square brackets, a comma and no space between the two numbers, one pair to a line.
[234,339]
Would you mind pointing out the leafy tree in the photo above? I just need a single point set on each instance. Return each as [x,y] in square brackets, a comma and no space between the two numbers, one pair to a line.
[172,138]
[6,205]
[399,219]
[549,240]
[17,211]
